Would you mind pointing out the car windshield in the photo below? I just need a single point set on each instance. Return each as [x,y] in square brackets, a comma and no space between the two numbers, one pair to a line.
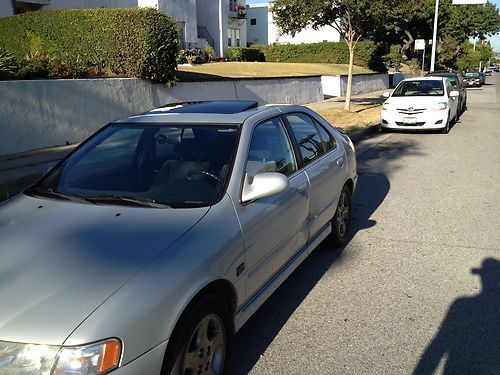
[420,88]
[156,166]
[472,74]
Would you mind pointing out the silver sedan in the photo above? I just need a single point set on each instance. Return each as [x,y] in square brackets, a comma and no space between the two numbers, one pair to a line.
[145,249]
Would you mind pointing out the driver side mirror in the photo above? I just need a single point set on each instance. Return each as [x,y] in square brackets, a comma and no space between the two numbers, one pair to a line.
[263,185]
[454,94]
[386,94]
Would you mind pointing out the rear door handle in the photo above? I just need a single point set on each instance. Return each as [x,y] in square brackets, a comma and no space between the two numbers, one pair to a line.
[340,161]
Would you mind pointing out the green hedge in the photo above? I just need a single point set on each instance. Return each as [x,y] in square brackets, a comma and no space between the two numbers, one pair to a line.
[245,54]
[64,43]
[367,54]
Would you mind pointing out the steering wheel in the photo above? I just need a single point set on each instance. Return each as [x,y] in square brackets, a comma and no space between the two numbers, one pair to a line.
[190,174]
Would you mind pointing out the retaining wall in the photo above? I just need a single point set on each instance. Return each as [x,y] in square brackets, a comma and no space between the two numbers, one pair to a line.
[45,113]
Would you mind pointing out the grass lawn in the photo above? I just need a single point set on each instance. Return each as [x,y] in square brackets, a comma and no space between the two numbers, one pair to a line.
[360,116]
[218,70]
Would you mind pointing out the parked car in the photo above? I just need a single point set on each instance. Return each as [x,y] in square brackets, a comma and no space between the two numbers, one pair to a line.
[424,103]
[473,79]
[158,237]
[488,72]
[457,82]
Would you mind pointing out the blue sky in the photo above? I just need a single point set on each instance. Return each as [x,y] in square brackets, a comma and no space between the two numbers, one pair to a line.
[495,41]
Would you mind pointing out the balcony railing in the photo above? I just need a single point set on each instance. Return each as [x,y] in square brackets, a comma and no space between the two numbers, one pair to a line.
[237,11]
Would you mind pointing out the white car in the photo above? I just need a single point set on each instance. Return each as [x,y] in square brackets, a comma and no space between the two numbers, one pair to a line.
[423,103]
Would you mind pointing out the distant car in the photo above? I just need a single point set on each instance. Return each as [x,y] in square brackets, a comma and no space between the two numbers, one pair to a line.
[158,237]
[488,72]
[425,103]
[473,79]
[457,82]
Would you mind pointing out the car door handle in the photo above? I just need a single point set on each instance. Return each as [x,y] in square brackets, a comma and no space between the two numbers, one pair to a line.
[340,161]
[303,189]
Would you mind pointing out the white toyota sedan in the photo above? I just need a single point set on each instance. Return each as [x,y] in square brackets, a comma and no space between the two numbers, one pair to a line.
[424,103]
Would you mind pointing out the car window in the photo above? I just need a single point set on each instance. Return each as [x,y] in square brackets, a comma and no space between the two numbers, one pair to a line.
[270,150]
[329,142]
[420,88]
[175,165]
[307,136]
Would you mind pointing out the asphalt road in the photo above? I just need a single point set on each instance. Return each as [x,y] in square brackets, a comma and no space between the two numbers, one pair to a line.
[417,289]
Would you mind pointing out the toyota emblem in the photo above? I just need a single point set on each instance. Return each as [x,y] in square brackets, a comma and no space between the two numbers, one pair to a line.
[410,109]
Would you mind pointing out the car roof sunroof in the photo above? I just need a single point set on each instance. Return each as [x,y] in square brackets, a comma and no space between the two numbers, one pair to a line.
[219,107]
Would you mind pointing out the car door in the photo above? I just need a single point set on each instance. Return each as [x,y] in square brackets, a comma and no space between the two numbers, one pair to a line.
[274,228]
[453,102]
[324,163]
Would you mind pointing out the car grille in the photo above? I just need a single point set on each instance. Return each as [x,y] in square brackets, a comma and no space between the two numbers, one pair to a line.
[399,123]
[411,111]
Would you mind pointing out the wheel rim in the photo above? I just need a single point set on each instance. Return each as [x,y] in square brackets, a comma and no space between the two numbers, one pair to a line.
[343,214]
[206,351]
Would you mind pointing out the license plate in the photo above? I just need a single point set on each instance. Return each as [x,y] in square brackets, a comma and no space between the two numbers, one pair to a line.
[410,120]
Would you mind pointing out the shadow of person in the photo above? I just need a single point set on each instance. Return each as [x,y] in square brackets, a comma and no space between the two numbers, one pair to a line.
[469,337]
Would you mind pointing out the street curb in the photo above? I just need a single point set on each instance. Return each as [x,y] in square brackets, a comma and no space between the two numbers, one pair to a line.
[359,135]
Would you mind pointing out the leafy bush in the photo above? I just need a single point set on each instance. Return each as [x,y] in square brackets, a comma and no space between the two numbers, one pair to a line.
[367,54]
[245,54]
[67,43]
[192,56]
[8,65]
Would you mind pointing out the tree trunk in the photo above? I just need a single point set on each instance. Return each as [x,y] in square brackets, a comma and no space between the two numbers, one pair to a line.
[347,105]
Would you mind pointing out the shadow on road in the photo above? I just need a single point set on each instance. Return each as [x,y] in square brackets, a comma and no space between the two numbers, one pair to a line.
[373,186]
[469,337]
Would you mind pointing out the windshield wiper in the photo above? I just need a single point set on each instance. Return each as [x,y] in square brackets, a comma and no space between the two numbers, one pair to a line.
[126,200]
[51,193]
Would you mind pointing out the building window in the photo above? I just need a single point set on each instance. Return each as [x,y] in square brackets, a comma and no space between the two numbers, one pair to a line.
[233,37]
[232,5]
[181,27]
[253,21]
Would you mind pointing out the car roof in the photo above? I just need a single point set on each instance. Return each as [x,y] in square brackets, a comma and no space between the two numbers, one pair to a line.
[430,78]
[441,73]
[230,112]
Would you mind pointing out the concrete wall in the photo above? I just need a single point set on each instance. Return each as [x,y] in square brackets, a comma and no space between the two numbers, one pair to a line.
[44,113]
[361,83]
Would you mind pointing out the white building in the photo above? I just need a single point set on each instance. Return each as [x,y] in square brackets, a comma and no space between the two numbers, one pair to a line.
[262,29]
[220,23]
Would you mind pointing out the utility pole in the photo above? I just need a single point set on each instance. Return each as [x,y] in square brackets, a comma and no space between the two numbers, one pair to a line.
[434,36]
[221,31]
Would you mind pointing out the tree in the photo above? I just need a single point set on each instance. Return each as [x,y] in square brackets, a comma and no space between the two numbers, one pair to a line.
[353,19]
[408,20]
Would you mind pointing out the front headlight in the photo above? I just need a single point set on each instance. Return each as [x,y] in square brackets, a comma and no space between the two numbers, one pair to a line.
[28,359]
[441,106]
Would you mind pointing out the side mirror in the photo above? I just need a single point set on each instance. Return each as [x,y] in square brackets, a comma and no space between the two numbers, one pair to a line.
[386,94]
[454,94]
[263,185]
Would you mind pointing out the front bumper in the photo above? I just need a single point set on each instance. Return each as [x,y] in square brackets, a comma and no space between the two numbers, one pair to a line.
[428,120]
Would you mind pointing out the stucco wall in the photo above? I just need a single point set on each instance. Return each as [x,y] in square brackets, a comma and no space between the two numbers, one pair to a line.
[257,33]
[44,113]
[79,4]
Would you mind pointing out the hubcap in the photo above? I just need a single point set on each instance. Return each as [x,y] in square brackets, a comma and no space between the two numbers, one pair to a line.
[342,215]
[206,350]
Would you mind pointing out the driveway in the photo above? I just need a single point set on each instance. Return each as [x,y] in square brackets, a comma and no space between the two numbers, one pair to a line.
[425,255]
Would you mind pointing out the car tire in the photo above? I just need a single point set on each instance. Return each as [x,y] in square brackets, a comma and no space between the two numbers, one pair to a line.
[446,129]
[202,340]
[341,222]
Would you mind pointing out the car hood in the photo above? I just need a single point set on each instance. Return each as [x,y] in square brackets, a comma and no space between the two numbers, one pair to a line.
[60,260]
[415,101]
